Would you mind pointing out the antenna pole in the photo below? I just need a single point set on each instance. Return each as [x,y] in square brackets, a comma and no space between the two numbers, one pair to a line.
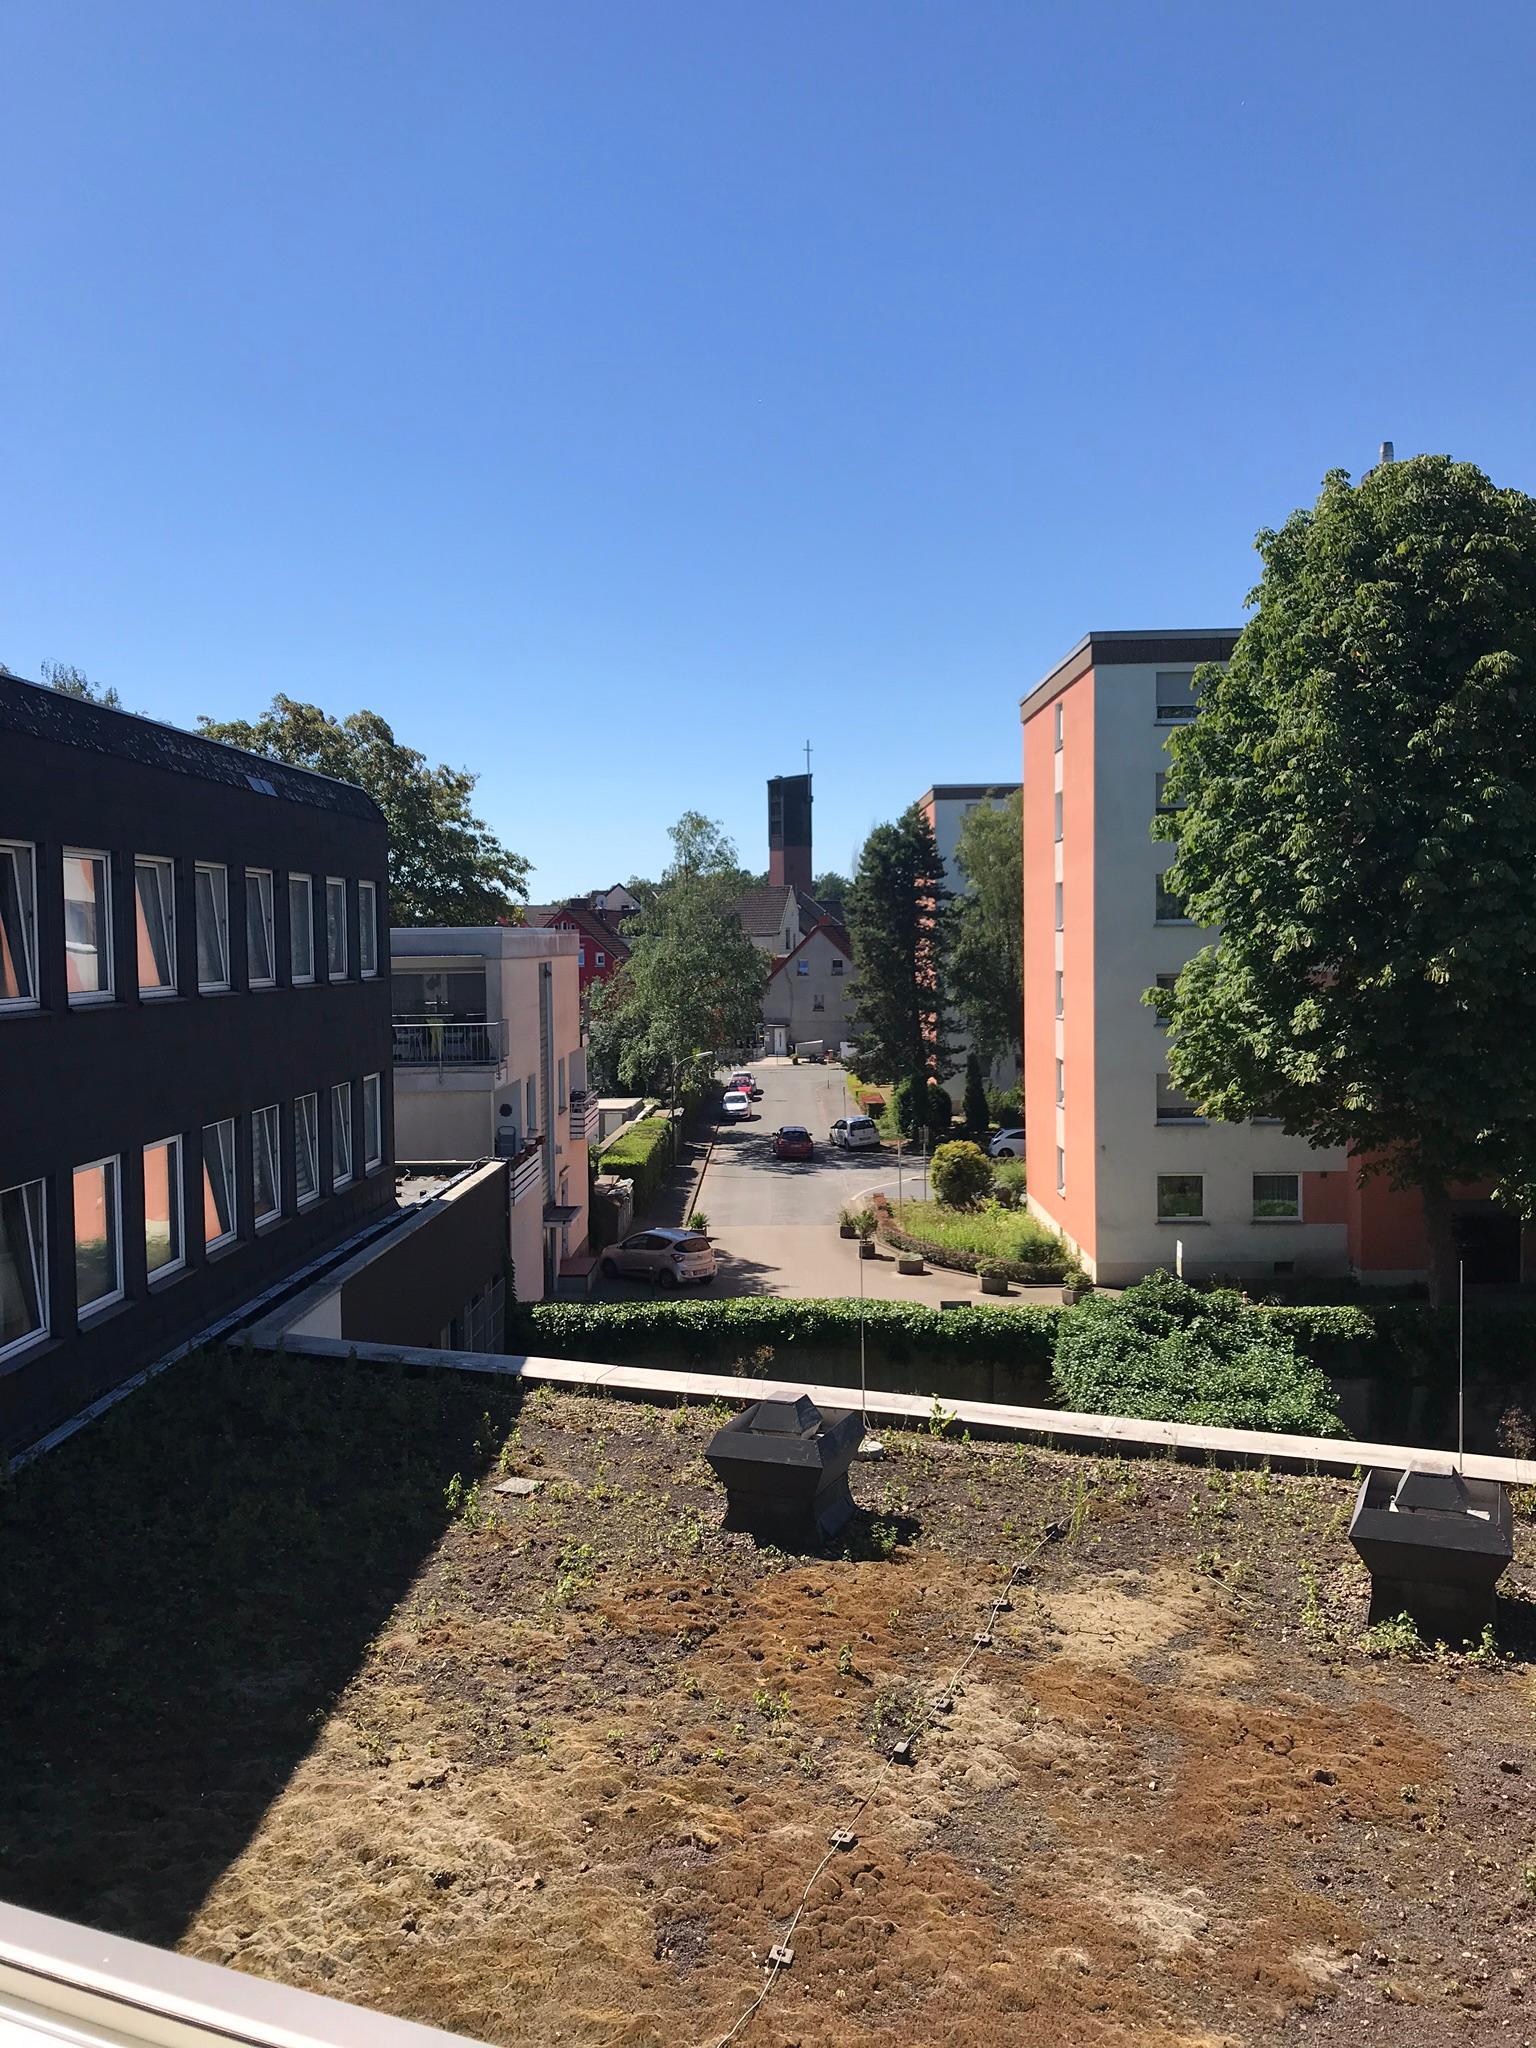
[1461,1366]
[807,760]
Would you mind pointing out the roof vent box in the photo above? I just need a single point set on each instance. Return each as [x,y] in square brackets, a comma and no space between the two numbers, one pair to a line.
[1436,1545]
[784,1465]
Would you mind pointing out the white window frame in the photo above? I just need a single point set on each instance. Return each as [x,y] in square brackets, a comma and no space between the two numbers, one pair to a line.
[267,1125]
[220,873]
[172,1148]
[602,960]
[1058,724]
[34,1210]
[268,913]
[22,853]
[1061,1169]
[1058,815]
[306,924]
[1061,1084]
[165,888]
[85,998]
[367,928]
[306,1146]
[229,1166]
[1061,906]
[340,1090]
[373,1127]
[1161,1218]
[86,1309]
[1175,710]
[1297,1217]
[332,972]
[1061,993]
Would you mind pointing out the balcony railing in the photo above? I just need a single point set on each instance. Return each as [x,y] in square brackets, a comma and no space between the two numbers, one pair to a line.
[584,1117]
[438,1042]
[528,1171]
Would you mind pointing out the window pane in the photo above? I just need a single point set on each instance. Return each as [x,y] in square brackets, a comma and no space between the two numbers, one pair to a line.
[1174,1107]
[1170,908]
[1061,993]
[155,913]
[265,1164]
[306,1148]
[1175,695]
[18,925]
[162,1205]
[301,928]
[373,1120]
[258,928]
[98,1259]
[23,1265]
[87,925]
[212,886]
[336,928]
[1276,1194]
[367,928]
[218,1182]
[1180,1195]
[1060,908]
[341,1133]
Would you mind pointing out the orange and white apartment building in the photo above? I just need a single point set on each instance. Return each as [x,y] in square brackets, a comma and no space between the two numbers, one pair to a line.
[1120,1163]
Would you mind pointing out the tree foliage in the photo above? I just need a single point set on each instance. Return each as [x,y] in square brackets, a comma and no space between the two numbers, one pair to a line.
[74,682]
[960,1174]
[831,891]
[445,865]
[691,990]
[899,919]
[987,969]
[977,1120]
[1357,814]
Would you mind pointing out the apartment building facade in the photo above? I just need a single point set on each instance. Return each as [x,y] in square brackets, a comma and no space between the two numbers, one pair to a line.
[194,1039]
[489,1061]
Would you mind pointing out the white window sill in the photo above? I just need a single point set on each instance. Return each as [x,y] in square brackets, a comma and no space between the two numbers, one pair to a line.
[1285,1222]
[1171,921]
[23,1348]
[163,1276]
[158,995]
[221,1247]
[19,1009]
[302,981]
[94,1311]
[309,1202]
[372,1166]
[265,1225]
[340,1186]
[1170,1123]
[213,988]
[256,987]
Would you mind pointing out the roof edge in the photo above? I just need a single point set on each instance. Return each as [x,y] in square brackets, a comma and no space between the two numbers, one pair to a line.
[1152,643]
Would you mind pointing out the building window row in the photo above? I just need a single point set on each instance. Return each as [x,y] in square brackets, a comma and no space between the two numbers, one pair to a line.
[1276,1198]
[96,1212]
[89,956]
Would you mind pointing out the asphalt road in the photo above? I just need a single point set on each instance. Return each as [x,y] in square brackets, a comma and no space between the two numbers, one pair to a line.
[745,1184]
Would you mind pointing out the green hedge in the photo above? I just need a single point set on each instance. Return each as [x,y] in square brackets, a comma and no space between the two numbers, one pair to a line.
[1040,1265]
[642,1156]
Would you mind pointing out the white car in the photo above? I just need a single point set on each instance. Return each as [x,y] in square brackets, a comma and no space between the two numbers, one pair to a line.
[669,1257]
[856,1133]
[1007,1145]
[737,1104]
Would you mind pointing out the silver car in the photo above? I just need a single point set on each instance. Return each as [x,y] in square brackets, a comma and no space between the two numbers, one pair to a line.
[669,1257]
[857,1133]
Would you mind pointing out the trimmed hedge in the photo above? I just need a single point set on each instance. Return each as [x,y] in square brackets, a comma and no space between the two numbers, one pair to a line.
[641,1156]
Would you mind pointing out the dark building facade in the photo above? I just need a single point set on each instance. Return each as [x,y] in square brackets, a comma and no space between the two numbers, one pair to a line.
[789,832]
[195,1092]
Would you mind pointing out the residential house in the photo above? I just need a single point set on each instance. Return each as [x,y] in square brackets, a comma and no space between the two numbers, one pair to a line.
[601,948]
[811,991]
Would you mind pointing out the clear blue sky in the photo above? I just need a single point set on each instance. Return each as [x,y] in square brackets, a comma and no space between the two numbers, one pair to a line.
[613,395]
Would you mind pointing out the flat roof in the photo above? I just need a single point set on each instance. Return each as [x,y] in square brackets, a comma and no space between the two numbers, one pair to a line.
[966,792]
[1134,647]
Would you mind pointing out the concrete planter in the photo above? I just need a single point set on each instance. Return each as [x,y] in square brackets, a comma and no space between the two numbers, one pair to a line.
[994,1283]
[908,1262]
[867,1248]
[846,1230]
[1073,1295]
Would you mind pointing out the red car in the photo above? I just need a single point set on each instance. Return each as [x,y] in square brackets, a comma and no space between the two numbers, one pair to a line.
[793,1142]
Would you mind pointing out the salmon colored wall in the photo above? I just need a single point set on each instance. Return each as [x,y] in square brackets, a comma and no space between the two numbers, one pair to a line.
[1327,1197]
[1074,1212]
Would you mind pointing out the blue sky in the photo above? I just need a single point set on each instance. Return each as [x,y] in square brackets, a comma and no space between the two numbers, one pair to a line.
[615,396]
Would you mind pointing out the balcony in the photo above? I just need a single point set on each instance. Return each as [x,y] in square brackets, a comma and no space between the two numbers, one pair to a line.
[527,1170]
[584,1116]
[439,1042]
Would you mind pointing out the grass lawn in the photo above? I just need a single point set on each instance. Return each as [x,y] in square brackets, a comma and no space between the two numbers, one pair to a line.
[284,1682]
[989,1233]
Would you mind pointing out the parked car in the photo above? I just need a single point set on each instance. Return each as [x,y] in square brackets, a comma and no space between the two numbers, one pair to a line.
[743,1081]
[1007,1145]
[669,1257]
[793,1142]
[738,1104]
[856,1133]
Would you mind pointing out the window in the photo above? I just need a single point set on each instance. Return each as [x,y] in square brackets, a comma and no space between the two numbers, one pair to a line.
[1180,1198]
[1167,981]
[301,928]
[818,1002]
[87,926]
[164,1246]
[1170,907]
[367,929]
[212,888]
[1060,909]
[1164,808]
[98,1236]
[306,1149]
[335,928]
[1061,1171]
[531,1109]
[581,956]
[1061,1084]
[837,968]
[18,929]
[154,890]
[1061,993]
[1059,724]
[1277,1197]
[1174,1108]
[802,967]
[602,959]
[220,1217]
[1057,808]
[1175,696]
[23,1266]
[266,1165]
[260,950]
[373,1122]
[341,1134]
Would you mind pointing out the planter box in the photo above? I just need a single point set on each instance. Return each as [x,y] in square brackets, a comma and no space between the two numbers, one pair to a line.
[994,1283]
[846,1230]
[909,1263]
[867,1249]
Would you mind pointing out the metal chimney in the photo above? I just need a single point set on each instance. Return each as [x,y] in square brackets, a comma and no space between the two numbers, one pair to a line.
[1386,454]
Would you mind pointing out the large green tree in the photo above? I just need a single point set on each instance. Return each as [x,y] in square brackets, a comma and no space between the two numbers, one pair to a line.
[899,920]
[831,891]
[691,991]
[445,865]
[987,969]
[1356,813]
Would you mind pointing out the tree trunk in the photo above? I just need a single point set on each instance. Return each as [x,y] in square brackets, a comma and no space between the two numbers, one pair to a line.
[1440,1230]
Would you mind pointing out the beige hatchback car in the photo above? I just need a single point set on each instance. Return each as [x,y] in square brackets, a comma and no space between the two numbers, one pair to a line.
[668,1257]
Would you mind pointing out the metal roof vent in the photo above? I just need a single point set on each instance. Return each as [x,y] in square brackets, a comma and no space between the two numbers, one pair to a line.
[1436,1545]
[1386,454]
[784,1466]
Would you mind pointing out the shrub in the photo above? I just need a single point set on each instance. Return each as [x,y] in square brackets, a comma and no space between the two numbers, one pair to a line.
[699,1220]
[1010,1184]
[1166,1352]
[861,1219]
[960,1174]
[1005,1106]
[941,1112]
[962,1238]
[642,1156]
[977,1118]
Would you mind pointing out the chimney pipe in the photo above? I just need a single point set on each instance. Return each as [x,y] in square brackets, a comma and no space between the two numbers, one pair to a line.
[1386,453]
